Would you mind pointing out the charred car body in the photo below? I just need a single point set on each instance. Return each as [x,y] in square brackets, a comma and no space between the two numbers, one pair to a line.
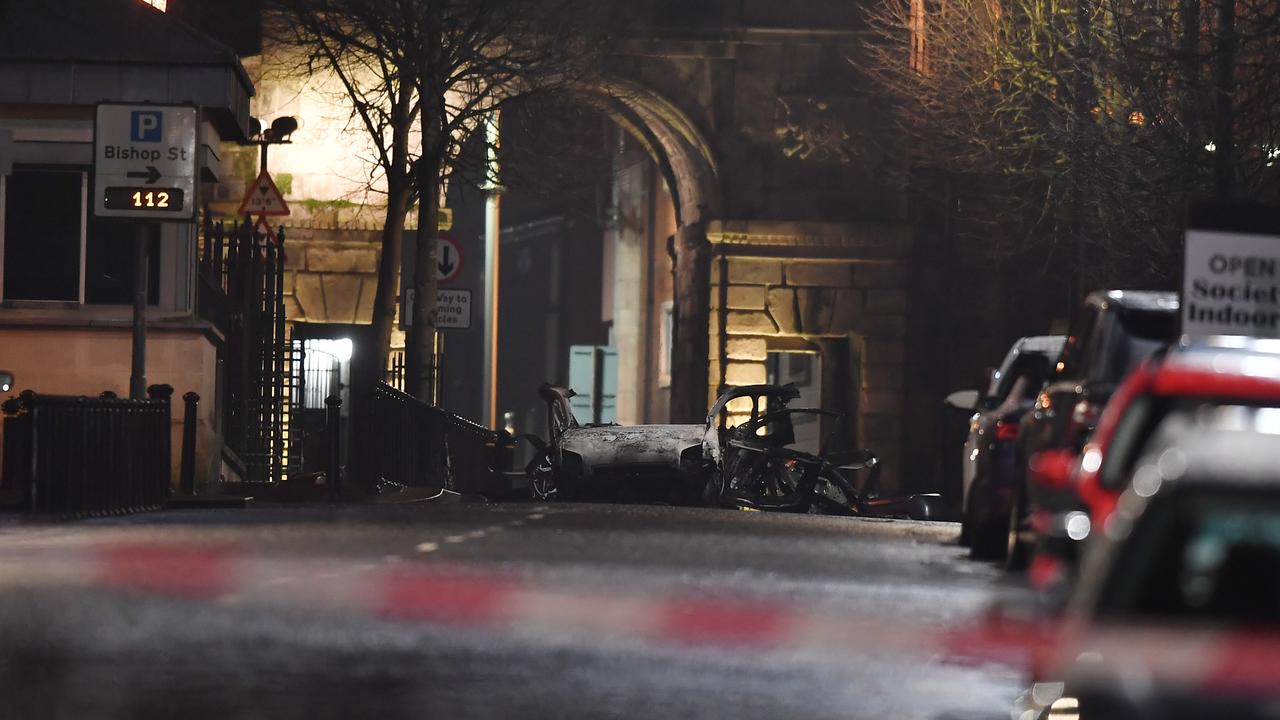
[615,463]
[752,465]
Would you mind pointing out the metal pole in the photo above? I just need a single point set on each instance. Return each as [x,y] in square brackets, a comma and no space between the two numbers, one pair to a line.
[492,232]
[333,420]
[187,478]
[437,388]
[138,370]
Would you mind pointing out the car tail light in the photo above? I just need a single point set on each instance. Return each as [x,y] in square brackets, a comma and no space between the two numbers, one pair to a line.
[1052,468]
[1007,431]
[1085,415]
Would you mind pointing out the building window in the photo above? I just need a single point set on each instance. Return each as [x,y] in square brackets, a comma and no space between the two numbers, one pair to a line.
[108,266]
[53,251]
[666,342]
[919,50]
[43,235]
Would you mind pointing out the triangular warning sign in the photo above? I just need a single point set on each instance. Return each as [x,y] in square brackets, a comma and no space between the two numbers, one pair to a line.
[263,198]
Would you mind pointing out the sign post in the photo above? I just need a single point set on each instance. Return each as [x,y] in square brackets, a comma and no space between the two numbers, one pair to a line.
[144,168]
[1231,272]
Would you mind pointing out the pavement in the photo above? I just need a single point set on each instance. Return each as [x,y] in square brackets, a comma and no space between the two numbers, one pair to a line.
[457,609]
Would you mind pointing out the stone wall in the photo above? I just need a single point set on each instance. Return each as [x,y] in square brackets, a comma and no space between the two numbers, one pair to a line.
[772,290]
[331,272]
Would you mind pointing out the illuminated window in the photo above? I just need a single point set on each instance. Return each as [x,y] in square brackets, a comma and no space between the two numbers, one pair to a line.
[919,60]
[665,342]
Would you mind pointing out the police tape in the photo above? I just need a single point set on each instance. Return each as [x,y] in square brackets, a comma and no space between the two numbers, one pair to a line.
[450,594]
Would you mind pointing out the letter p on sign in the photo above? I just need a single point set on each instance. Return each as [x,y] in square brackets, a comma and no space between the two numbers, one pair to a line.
[145,126]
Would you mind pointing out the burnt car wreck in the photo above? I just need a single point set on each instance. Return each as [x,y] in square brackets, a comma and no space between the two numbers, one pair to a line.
[753,465]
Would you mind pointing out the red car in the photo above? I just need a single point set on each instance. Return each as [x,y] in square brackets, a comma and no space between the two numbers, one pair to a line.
[1216,373]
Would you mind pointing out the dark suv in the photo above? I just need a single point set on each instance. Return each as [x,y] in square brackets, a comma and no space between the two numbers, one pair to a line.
[1114,332]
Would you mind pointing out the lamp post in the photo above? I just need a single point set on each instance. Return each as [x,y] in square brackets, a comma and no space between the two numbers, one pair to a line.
[280,132]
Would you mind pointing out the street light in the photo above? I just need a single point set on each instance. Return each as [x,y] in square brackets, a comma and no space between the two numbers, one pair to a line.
[280,133]
[6,380]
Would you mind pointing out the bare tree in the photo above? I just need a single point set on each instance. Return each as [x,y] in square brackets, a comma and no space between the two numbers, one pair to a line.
[1087,124]
[422,77]
[349,42]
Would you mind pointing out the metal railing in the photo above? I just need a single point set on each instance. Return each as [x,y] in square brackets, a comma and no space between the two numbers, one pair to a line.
[416,444]
[66,455]
[241,291]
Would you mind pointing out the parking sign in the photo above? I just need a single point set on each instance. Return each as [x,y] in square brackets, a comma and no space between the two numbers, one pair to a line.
[144,162]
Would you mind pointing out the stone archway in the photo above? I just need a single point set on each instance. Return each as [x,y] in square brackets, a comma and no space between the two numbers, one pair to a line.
[685,159]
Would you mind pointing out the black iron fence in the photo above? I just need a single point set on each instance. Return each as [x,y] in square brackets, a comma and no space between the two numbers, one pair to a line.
[67,455]
[241,291]
[416,444]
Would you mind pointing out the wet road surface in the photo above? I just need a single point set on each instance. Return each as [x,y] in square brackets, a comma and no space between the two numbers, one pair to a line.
[474,610]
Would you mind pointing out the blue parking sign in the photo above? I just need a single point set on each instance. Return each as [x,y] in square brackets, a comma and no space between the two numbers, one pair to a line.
[145,126]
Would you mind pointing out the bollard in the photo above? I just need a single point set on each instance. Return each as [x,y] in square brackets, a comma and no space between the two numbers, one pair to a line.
[333,424]
[187,481]
[153,496]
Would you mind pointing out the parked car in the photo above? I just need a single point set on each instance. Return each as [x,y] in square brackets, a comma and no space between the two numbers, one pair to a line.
[989,452]
[1176,613]
[1207,374]
[1114,332]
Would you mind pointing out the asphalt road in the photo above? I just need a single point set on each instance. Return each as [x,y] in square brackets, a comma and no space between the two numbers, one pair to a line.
[502,611]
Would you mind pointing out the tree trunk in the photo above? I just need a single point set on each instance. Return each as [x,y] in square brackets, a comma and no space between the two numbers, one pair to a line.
[386,295]
[420,345]
[691,349]
[1224,171]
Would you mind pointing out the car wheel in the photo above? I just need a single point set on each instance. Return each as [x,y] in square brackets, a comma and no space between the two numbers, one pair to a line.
[1016,551]
[988,541]
[543,483]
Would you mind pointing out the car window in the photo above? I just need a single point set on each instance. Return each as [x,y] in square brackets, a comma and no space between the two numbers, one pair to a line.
[1026,374]
[1205,557]
[1141,334]
[1152,422]
[994,391]
[1079,339]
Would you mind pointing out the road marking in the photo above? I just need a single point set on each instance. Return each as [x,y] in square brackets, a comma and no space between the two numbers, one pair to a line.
[516,523]
[476,534]
[494,528]
[427,547]
[536,516]
[455,539]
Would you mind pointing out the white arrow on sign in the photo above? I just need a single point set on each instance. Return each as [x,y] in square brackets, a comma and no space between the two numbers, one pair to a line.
[448,258]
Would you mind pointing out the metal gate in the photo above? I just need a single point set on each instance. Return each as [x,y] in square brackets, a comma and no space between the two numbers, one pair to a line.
[241,291]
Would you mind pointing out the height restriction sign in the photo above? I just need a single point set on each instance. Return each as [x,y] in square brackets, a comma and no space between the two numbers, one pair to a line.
[263,198]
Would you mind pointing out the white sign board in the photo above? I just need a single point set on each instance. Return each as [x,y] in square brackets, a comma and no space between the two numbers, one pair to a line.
[453,309]
[144,162]
[1231,284]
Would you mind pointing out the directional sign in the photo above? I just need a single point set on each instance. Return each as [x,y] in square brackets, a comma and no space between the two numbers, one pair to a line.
[144,161]
[263,198]
[448,258]
[453,309]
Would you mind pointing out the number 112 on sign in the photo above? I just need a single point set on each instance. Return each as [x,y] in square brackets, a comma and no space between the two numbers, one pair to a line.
[160,200]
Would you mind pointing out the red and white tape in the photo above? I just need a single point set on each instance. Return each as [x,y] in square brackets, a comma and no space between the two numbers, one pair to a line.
[454,595]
